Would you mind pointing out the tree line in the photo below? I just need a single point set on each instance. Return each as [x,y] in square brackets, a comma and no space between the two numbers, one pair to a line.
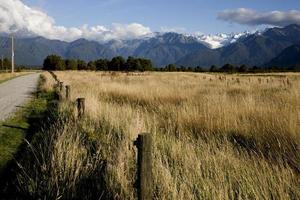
[5,64]
[118,63]
[228,68]
[55,62]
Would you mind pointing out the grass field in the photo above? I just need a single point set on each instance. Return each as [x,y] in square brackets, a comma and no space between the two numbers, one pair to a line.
[215,136]
[7,76]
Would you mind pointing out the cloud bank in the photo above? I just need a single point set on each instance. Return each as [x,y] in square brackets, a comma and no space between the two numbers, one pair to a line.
[251,17]
[20,19]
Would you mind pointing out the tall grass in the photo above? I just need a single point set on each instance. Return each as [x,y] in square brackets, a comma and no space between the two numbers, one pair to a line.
[7,76]
[215,136]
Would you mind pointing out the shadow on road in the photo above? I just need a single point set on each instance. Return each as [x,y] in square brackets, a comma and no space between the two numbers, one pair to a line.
[14,127]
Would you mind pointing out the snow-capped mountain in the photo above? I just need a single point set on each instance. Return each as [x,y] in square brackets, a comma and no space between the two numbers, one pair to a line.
[164,48]
[220,40]
[210,41]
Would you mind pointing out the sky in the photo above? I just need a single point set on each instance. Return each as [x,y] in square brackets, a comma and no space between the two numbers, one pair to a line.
[123,19]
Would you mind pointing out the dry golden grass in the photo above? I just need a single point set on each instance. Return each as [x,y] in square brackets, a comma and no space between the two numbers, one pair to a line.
[48,82]
[215,136]
[7,76]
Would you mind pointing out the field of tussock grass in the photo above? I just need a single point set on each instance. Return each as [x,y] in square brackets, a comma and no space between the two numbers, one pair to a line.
[215,136]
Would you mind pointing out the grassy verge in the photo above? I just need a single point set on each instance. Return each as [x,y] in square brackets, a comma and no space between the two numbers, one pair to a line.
[14,130]
[8,76]
[17,131]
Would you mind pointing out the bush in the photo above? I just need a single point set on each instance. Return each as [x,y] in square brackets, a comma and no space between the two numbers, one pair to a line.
[102,64]
[54,62]
[71,64]
[81,65]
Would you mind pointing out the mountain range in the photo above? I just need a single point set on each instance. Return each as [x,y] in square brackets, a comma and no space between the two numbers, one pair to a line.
[289,57]
[256,48]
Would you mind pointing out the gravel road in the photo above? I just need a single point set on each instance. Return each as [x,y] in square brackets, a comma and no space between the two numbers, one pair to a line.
[15,92]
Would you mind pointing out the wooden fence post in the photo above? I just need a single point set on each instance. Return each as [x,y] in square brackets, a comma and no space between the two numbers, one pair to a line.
[38,93]
[80,106]
[61,85]
[144,167]
[68,90]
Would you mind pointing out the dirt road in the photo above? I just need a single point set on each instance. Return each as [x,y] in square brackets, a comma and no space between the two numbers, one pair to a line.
[15,92]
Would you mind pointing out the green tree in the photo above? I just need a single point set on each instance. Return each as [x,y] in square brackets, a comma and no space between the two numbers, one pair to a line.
[81,65]
[117,64]
[6,64]
[228,68]
[182,68]
[171,68]
[146,64]
[54,62]
[243,69]
[71,64]
[213,68]
[91,66]
[132,64]
[190,69]
[102,64]
[198,69]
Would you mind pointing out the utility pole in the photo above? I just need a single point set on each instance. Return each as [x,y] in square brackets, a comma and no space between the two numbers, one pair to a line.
[12,55]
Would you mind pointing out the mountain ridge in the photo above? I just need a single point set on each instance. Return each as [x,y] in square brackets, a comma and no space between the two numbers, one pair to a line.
[163,48]
[289,58]
[255,49]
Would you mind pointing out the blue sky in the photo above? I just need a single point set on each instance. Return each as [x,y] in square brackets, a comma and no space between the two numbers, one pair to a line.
[183,15]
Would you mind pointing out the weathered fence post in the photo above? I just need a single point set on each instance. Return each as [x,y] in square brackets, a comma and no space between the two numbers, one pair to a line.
[38,93]
[61,85]
[144,167]
[80,106]
[68,90]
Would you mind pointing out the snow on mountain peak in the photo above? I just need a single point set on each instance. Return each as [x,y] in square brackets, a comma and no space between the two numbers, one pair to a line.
[219,40]
[211,41]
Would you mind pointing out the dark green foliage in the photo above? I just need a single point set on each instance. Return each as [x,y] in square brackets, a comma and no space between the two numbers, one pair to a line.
[71,64]
[6,64]
[117,64]
[132,63]
[228,68]
[54,62]
[182,68]
[102,64]
[145,65]
[199,69]
[243,69]
[138,64]
[81,65]
[213,68]
[91,66]
[171,68]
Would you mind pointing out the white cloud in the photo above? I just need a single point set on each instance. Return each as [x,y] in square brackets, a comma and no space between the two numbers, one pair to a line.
[251,17]
[18,18]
